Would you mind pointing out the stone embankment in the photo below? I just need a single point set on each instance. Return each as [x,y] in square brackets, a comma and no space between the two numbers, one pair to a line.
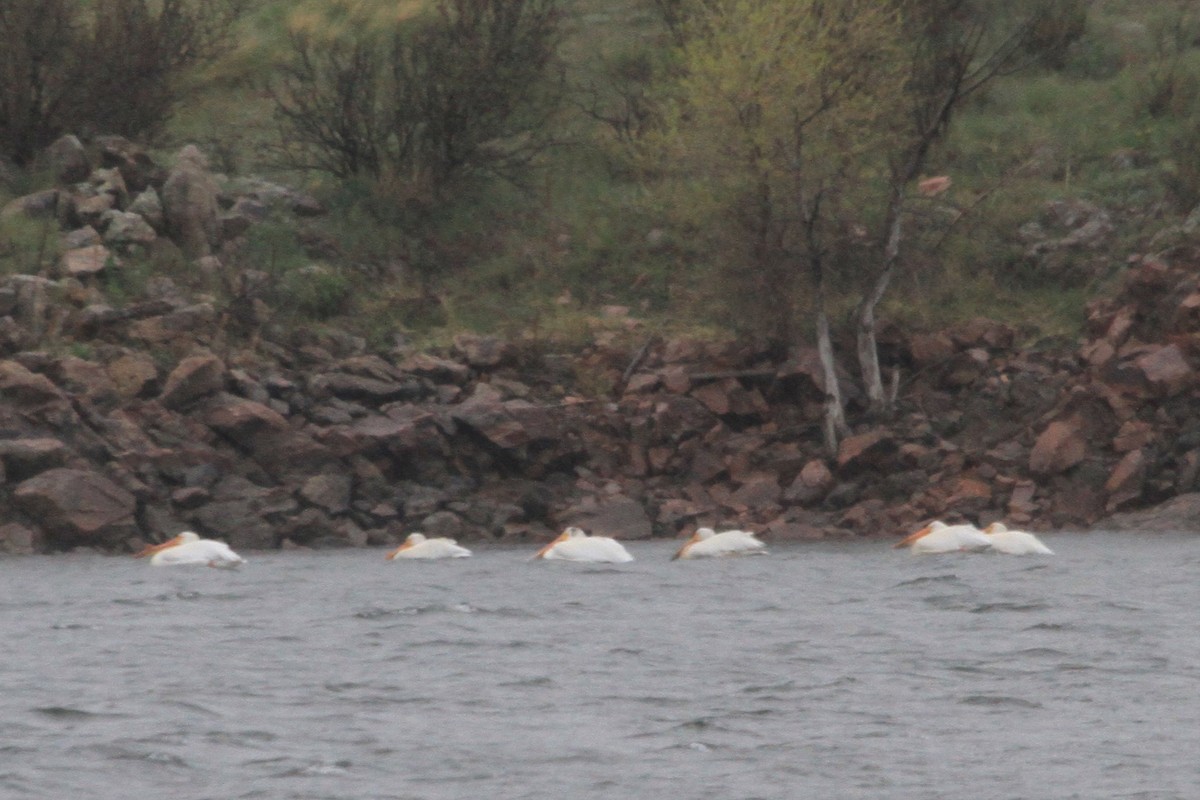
[122,425]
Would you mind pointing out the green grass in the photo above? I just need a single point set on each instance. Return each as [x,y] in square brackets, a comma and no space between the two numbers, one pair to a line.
[27,245]
[543,263]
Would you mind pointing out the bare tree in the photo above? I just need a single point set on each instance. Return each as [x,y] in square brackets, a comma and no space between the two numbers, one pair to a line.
[459,95]
[112,66]
[956,47]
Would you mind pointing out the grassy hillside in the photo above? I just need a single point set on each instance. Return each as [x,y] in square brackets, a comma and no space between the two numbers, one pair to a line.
[1113,128]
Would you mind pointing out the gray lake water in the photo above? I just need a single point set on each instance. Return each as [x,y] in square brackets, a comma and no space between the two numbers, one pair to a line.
[828,670]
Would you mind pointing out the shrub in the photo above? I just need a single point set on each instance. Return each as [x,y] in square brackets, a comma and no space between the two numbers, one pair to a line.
[316,291]
[452,96]
[111,66]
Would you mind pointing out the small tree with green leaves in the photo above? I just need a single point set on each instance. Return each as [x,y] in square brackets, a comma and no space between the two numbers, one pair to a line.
[771,138]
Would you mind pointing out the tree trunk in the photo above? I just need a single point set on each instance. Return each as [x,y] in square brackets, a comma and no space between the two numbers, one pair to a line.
[835,413]
[868,350]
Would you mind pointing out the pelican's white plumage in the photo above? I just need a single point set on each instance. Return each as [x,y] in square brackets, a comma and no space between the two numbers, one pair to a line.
[575,545]
[1015,543]
[188,549]
[416,545]
[706,542]
[938,537]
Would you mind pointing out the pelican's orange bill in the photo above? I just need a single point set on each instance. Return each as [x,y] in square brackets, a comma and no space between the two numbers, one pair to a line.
[407,545]
[151,549]
[562,537]
[910,539]
[695,538]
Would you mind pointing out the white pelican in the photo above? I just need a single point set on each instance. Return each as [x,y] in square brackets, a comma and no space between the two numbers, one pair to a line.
[189,549]
[575,545]
[938,537]
[1015,543]
[417,546]
[707,542]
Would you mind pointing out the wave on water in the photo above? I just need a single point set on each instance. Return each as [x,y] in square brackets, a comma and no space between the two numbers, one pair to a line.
[66,712]
[185,595]
[325,769]
[929,579]
[987,608]
[1051,626]
[119,752]
[539,682]
[378,612]
[998,701]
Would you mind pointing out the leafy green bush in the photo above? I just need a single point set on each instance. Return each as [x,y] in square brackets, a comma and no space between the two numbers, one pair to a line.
[316,291]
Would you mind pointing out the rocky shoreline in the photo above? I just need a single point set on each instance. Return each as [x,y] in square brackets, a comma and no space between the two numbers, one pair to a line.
[125,425]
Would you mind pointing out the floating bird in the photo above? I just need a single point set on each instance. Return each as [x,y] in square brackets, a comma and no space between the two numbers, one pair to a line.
[938,537]
[417,546]
[1015,543]
[189,549]
[575,545]
[706,542]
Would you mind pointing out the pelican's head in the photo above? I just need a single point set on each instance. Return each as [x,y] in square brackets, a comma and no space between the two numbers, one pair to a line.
[410,541]
[699,536]
[995,527]
[186,537]
[928,529]
[569,533]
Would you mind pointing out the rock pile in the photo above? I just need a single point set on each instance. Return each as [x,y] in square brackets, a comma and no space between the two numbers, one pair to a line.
[312,440]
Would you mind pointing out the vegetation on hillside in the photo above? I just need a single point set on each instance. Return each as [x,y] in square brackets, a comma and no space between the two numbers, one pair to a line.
[516,165]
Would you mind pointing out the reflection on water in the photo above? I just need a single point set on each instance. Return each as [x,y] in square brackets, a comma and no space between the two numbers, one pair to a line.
[839,670]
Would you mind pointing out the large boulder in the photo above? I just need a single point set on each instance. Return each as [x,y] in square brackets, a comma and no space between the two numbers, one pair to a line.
[1180,513]
[1059,447]
[24,458]
[66,160]
[194,377]
[25,389]
[19,540]
[191,213]
[618,516]
[77,507]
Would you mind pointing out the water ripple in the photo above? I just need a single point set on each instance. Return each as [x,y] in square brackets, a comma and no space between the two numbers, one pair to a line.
[998,701]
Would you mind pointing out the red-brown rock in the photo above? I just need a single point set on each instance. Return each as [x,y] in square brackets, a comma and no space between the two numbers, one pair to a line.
[84,262]
[1166,370]
[618,516]
[930,348]
[133,374]
[192,379]
[27,389]
[1125,482]
[19,540]
[813,483]
[24,458]
[239,419]
[1060,446]
[871,449]
[1134,434]
[484,351]
[77,506]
